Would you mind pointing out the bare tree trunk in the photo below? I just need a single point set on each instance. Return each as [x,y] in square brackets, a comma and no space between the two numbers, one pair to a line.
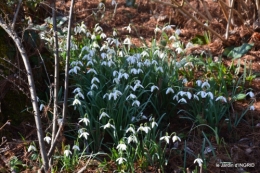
[32,89]
[64,112]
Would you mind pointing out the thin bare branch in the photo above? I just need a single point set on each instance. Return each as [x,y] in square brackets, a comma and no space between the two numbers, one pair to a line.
[16,14]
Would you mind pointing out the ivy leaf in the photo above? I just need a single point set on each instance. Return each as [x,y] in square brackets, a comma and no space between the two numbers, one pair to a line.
[237,52]
[239,96]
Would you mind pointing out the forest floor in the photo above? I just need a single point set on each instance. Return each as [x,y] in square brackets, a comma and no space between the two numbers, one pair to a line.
[240,145]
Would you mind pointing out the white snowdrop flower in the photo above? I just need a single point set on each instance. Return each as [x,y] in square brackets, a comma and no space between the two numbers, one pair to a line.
[120,53]
[121,147]
[85,120]
[147,62]
[95,44]
[93,86]
[114,33]
[90,63]
[202,94]
[116,80]
[120,160]
[76,102]
[189,45]
[84,134]
[165,138]
[137,85]
[131,96]
[177,31]
[104,114]
[74,70]
[182,100]
[103,35]
[154,62]
[205,84]
[98,28]
[108,125]
[103,55]
[223,99]
[175,138]
[130,129]
[41,107]
[252,108]
[175,97]
[188,94]
[154,124]
[168,27]
[153,88]
[93,37]
[144,54]
[90,93]
[110,63]
[251,94]
[128,28]
[159,69]
[189,65]
[78,90]
[143,128]
[80,95]
[136,102]
[184,81]
[199,161]
[125,75]
[210,95]
[75,147]
[31,148]
[115,73]
[127,41]
[92,71]
[199,82]
[196,97]
[140,64]
[169,90]
[179,50]
[133,71]
[157,30]
[132,138]
[94,79]
[47,139]
[67,153]
[181,93]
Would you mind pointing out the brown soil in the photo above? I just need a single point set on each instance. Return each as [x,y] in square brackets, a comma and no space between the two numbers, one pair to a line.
[241,145]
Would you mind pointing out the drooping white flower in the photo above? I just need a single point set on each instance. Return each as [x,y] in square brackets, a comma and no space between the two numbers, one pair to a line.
[175,138]
[80,95]
[182,100]
[128,28]
[120,160]
[121,147]
[169,90]
[76,102]
[179,50]
[196,97]
[251,94]
[85,120]
[199,82]
[127,41]
[108,125]
[113,2]
[93,86]
[252,108]
[154,124]
[75,147]
[157,30]
[84,134]
[205,84]
[136,102]
[132,138]
[144,54]
[92,71]
[103,114]
[47,139]
[143,128]
[67,153]
[31,148]
[103,35]
[223,99]
[154,87]
[168,27]
[203,94]
[94,79]
[41,107]
[130,129]
[159,69]
[177,31]
[166,138]
[199,161]
[210,95]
